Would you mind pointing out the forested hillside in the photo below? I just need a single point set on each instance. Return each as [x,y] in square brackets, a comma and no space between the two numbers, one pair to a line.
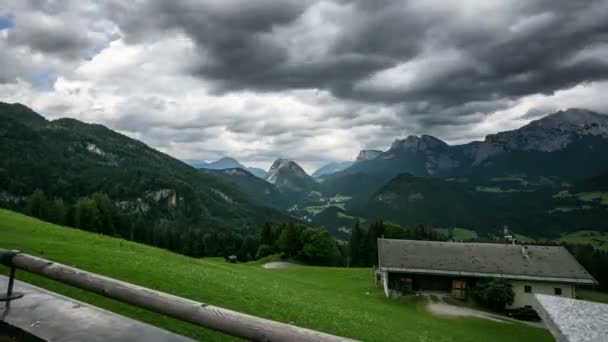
[88,176]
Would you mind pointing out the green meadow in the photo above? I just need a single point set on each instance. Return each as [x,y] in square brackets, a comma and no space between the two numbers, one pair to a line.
[335,300]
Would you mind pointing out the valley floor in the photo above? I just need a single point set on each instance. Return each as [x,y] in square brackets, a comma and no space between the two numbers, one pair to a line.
[334,300]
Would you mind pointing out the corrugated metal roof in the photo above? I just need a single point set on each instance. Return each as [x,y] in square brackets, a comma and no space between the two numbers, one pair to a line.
[550,263]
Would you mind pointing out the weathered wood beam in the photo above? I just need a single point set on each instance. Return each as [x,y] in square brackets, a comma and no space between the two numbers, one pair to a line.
[227,321]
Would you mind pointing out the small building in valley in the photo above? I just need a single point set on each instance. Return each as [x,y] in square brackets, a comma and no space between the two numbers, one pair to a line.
[455,267]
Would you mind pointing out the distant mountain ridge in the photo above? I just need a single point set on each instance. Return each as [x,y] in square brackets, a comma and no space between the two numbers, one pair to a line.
[256,188]
[426,155]
[332,167]
[225,163]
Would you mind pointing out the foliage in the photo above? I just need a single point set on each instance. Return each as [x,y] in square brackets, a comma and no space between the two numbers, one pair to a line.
[310,245]
[264,251]
[595,261]
[355,246]
[534,211]
[288,242]
[69,172]
[87,215]
[334,300]
[319,248]
[495,294]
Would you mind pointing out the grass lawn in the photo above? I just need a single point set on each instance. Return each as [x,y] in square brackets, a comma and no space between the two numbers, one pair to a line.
[524,238]
[591,295]
[597,239]
[315,209]
[461,234]
[335,300]
[602,197]
[489,189]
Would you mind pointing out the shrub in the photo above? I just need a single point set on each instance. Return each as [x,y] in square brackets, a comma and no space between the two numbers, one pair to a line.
[493,293]
[264,251]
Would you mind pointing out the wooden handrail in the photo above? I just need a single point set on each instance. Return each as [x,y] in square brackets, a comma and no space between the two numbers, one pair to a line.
[227,321]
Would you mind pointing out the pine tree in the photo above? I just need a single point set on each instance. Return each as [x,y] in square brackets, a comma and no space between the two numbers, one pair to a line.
[86,215]
[288,241]
[37,205]
[266,237]
[354,246]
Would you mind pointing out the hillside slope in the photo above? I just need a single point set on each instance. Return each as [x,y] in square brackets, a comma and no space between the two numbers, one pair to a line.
[334,300]
[69,159]
[258,190]
[407,199]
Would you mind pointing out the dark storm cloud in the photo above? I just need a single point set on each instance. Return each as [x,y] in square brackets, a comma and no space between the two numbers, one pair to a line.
[512,51]
[50,27]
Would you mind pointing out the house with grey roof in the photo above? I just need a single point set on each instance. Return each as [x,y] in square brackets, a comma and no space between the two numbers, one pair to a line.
[455,267]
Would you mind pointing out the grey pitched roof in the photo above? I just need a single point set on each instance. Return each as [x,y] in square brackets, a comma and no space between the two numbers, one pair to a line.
[542,263]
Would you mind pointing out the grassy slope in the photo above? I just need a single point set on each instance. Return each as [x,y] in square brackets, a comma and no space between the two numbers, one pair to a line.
[336,300]
[594,296]
[597,239]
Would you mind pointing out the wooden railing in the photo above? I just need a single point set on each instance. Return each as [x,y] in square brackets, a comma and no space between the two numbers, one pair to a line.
[227,321]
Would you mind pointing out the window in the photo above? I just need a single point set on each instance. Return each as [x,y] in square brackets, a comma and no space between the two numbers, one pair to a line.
[557,291]
[527,289]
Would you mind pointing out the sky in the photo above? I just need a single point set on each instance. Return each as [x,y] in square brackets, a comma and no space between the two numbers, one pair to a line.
[313,81]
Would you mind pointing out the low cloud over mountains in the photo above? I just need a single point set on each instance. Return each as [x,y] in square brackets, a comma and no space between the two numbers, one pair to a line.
[310,80]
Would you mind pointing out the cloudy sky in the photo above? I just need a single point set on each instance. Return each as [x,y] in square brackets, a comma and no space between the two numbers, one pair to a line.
[310,80]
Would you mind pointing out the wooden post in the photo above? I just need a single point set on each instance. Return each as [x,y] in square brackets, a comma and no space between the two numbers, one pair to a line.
[230,322]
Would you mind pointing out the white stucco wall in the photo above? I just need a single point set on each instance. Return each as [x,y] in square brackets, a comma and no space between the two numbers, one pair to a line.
[522,298]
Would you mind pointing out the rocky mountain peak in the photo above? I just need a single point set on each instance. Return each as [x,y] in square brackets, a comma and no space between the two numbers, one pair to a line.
[547,134]
[285,166]
[574,119]
[368,155]
[420,144]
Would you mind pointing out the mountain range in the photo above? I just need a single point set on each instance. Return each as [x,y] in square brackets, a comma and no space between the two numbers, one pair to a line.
[331,167]
[226,163]
[546,177]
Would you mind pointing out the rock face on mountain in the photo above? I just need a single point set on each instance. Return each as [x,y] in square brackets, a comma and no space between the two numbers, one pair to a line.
[580,134]
[549,134]
[289,177]
[330,168]
[368,155]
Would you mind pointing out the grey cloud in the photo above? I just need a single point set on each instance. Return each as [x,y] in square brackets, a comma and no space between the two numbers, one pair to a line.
[520,55]
[452,63]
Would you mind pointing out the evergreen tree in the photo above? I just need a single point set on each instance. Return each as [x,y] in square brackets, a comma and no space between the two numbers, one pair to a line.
[375,231]
[107,213]
[86,215]
[266,236]
[355,246]
[288,242]
[319,248]
[37,205]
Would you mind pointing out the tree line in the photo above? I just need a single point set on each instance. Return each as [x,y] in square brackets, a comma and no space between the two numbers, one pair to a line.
[98,213]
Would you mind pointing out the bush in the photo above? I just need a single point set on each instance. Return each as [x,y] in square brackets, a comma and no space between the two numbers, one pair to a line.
[264,251]
[493,294]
